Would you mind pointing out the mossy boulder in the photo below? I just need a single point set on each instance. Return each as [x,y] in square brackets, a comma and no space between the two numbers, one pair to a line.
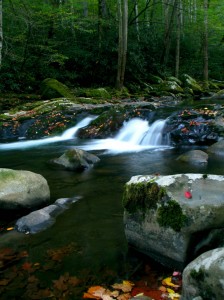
[100,93]
[218,95]
[170,86]
[173,78]
[52,88]
[154,79]
[191,83]
[203,277]
[75,160]
[22,189]
[164,216]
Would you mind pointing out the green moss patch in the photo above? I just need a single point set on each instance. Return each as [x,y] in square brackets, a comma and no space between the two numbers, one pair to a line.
[143,196]
[170,214]
[7,174]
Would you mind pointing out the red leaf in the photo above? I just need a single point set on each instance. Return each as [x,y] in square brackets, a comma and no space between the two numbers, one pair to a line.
[27,266]
[188,195]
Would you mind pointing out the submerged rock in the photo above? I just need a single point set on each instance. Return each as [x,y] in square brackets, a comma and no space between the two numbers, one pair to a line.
[41,219]
[22,189]
[164,222]
[203,277]
[194,156]
[76,159]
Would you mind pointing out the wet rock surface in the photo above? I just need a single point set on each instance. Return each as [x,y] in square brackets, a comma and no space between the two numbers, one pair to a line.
[172,228]
[203,277]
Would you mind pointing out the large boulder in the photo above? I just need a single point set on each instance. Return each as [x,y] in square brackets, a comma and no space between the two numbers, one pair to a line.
[75,159]
[204,276]
[170,217]
[22,189]
[191,83]
[171,86]
[52,88]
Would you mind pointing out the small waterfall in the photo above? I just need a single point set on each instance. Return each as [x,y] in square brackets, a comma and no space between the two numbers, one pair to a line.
[154,135]
[67,135]
[139,132]
[70,133]
[135,135]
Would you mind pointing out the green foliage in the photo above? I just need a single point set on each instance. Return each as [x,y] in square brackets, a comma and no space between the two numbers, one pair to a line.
[70,42]
[170,215]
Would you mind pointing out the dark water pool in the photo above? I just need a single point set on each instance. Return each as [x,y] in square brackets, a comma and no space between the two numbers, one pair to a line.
[94,224]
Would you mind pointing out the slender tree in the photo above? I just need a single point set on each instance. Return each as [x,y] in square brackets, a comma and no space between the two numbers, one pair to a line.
[1,33]
[205,43]
[122,43]
[177,64]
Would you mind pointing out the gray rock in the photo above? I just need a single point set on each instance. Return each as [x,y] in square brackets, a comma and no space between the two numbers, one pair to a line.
[194,157]
[217,148]
[41,219]
[22,189]
[75,159]
[203,278]
[165,216]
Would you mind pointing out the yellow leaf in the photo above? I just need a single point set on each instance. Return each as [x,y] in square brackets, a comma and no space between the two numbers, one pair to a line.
[10,228]
[167,281]
[170,291]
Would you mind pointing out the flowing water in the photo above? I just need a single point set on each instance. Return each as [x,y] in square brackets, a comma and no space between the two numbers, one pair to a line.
[95,222]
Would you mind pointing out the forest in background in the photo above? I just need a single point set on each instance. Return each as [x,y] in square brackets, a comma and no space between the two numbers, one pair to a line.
[108,42]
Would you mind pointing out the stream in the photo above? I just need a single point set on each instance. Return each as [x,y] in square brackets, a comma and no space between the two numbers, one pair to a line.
[95,222]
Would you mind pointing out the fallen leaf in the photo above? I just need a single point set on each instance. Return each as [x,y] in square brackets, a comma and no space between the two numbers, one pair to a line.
[125,296]
[167,282]
[188,194]
[125,286]
[9,228]
[4,282]
[27,267]
[90,294]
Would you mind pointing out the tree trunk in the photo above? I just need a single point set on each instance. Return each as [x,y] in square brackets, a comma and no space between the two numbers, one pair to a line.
[136,18]
[205,43]
[122,43]
[1,33]
[168,31]
[177,65]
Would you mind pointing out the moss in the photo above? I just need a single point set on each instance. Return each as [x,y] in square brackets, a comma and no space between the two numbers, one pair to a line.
[70,155]
[143,196]
[52,88]
[197,275]
[6,174]
[170,214]
[206,291]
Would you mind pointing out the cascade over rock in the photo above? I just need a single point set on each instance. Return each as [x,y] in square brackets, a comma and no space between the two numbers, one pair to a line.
[172,218]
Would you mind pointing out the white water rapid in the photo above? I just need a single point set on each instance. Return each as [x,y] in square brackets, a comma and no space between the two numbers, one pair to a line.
[67,135]
[135,135]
